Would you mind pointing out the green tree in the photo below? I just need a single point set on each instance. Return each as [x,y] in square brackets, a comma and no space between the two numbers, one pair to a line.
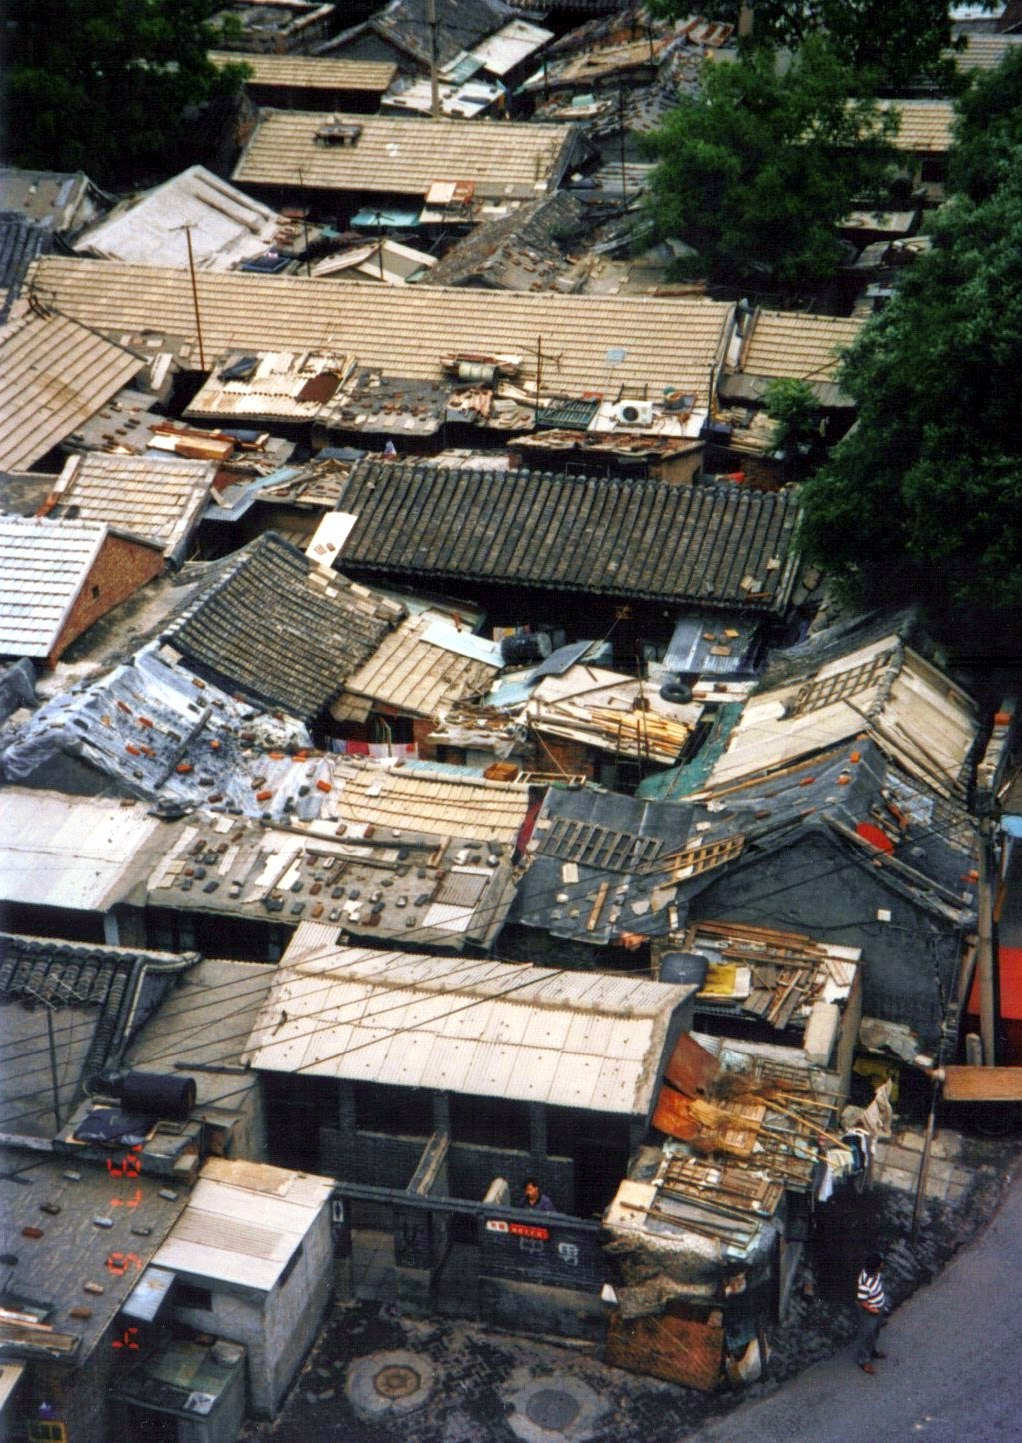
[756,169]
[922,499]
[110,86]
[988,129]
[792,405]
[893,42]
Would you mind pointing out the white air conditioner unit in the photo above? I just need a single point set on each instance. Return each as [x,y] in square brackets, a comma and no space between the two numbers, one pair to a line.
[633,413]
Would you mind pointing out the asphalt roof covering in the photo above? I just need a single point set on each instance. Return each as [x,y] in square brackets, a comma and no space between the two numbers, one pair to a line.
[717,545]
[280,628]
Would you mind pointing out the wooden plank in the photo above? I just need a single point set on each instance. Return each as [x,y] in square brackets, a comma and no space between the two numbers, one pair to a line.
[601,897]
[680,1350]
[982,1084]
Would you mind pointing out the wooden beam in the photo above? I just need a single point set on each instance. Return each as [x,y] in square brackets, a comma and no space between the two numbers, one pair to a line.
[982,1084]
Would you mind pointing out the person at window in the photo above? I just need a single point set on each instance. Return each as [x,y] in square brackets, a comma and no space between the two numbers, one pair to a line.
[535,1198]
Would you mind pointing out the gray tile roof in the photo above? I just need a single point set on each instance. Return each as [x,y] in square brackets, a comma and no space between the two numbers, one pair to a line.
[280,628]
[99,997]
[160,499]
[21,240]
[43,566]
[719,546]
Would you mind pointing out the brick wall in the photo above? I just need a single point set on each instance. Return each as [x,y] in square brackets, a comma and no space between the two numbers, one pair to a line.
[574,757]
[119,570]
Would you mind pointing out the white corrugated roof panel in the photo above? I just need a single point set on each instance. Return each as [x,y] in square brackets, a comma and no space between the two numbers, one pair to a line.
[43,566]
[76,852]
[491,1028]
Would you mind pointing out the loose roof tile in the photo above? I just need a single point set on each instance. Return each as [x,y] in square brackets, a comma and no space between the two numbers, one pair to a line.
[404,156]
[720,546]
[280,628]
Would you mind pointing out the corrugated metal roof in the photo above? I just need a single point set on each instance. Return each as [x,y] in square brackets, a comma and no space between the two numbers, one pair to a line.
[277,386]
[161,499]
[43,566]
[493,1029]
[243,1222]
[310,72]
[602,343]
[79,853]
[226,226]
[793,343]
[510,46]
[54,374]
[405,156]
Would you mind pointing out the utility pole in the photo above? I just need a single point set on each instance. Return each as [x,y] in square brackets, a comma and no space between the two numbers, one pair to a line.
[195,291]
[434,81]
[621,124]
[986,953]
[53,1068]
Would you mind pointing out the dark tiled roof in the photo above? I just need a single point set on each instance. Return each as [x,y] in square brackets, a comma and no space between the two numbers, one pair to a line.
[462,24]
[715,545]
[21,240]
[280,628]
[515,251]
[100,996]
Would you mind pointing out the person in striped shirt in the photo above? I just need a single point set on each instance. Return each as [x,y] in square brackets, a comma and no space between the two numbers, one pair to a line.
[871,1297]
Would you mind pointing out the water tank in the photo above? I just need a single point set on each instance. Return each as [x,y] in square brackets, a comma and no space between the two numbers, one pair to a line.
[525,648]
[169,1095]
[687,968]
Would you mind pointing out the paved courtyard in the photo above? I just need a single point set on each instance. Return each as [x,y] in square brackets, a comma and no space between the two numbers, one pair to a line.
[377,1377]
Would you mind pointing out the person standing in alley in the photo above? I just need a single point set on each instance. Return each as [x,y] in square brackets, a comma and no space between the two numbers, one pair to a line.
[871,1297]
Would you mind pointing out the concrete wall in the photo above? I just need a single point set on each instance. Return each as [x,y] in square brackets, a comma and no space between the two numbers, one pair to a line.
[277,1328]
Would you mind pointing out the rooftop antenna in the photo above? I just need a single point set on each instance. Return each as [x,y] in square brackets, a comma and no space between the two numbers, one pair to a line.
[434,82]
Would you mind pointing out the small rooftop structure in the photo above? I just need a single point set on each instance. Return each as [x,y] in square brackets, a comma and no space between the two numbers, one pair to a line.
[225,225]
[62,203]
[778,345]
[276,27]
[160,499]
[276,387]
[56,373]
[58,577]
[445,891]
[21,241]
[378,155]
[882,689]
[382,259]
[494,1029]
[719,546]
[282,629]
[55,1263]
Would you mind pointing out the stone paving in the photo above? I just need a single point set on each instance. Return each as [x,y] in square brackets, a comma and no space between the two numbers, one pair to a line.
[481,1386]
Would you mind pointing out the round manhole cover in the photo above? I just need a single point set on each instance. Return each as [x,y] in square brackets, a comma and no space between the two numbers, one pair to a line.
[552,1408]
[397,1381]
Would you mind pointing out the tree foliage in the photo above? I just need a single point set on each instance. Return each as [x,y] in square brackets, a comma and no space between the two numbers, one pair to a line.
[109,86]
[891,42]
[988,129]
[758,167]
[923,497]
[791,404]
